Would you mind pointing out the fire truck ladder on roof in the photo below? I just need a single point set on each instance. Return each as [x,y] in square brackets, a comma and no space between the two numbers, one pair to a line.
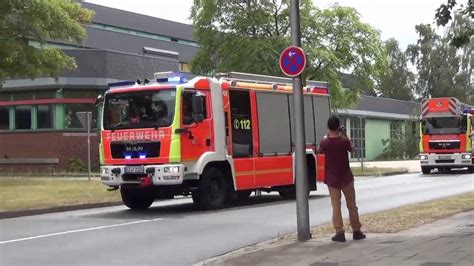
[271,80]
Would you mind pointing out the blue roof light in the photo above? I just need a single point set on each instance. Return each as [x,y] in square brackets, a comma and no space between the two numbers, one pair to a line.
[176,80]
[121,84]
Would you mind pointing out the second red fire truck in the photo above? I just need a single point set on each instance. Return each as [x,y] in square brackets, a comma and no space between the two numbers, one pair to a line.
[446,135]
[214,139]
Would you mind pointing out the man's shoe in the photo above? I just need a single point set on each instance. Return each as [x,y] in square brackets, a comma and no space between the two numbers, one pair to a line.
[358,235]
[339,237]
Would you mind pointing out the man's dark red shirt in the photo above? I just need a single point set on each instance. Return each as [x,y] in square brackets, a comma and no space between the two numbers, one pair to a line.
[338,172]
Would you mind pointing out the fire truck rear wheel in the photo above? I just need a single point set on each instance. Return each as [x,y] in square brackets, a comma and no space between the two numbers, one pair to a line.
[136,199]
[212,190]
[425,170]
[243,195]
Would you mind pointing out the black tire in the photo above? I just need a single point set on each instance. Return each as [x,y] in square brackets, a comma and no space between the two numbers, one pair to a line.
[425,170]
[212,191]
[136,199]
[243,195]
[470,169]
[288,192]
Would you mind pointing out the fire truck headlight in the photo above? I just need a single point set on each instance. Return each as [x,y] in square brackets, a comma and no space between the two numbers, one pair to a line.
[105,171]
[466,156]
[171,169]
[423,157]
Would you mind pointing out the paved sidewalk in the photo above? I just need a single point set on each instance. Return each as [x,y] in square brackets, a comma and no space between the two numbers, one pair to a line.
[445,242]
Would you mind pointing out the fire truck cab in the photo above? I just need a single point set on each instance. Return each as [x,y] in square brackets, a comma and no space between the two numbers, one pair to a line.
[217,139]
[446,129]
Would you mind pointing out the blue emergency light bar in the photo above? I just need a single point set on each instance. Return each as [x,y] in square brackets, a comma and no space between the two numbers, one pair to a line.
[174,80]
[170,77]
[121,84]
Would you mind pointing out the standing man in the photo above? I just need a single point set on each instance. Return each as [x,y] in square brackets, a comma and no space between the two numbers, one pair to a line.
[339,179]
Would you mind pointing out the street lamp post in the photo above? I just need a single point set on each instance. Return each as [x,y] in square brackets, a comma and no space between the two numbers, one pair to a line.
[301,180]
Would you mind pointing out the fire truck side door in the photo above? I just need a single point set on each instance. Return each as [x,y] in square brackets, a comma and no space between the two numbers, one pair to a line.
[197,136]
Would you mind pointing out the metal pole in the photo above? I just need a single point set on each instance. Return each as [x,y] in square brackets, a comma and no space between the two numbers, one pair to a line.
[302,209]
[361,142]
[89,145]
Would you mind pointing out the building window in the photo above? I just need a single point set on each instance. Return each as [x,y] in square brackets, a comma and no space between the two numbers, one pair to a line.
[45,116]
[141,34]
[184,67]
[4,118]
[71,120]
[358,136]
[396,131]
[23,117]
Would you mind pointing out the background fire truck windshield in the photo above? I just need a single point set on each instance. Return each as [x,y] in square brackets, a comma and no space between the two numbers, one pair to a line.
[144,109]
[443,125]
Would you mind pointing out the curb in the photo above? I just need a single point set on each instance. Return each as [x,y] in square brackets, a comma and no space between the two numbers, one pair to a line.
[15,214]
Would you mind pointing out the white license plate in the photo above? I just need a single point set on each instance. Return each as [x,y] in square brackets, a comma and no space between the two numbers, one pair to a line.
[445,157]
[135,169]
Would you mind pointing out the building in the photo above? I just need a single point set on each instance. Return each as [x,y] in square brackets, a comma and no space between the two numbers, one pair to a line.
[375,120]
[39,125]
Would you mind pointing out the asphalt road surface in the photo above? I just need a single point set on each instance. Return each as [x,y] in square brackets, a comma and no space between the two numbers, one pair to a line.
[175,233]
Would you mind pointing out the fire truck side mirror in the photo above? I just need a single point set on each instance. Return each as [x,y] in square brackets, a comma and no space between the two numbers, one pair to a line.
[198,107]
[99,100]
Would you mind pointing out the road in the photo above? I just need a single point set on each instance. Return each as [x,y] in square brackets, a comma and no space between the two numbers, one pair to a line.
[174,233]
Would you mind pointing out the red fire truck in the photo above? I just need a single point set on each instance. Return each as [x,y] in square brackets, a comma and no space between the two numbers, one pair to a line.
[217,139]
[446,135]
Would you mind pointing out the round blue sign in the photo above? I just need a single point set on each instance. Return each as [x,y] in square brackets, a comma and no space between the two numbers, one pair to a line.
[292,61]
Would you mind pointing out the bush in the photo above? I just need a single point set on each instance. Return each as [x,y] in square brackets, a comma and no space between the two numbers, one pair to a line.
[75,165]
[407,147]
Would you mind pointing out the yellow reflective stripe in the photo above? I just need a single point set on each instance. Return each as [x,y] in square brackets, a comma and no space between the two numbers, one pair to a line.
[101,153]
[175,146]
[421,138]
[468,134]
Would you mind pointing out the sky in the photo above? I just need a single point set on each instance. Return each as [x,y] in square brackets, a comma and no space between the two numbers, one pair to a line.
[393,18]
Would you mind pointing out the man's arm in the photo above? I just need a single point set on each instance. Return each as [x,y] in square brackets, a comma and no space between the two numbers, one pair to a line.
[321,147]
[350,147]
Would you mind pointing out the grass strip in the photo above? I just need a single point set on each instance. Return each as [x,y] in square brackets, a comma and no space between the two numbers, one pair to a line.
[375,171]
[410,216]
[18,194]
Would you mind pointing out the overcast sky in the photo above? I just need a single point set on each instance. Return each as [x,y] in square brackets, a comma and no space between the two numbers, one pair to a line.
[393,18]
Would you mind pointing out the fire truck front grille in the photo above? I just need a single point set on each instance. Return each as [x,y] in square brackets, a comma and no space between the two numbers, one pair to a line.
[444,145]
[135,150]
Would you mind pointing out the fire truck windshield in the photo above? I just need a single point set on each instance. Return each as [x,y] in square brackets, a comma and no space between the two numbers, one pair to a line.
[142,109]
[443,125]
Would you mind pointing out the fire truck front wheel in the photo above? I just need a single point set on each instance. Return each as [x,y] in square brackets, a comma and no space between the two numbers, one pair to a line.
[212,190]
[136,198]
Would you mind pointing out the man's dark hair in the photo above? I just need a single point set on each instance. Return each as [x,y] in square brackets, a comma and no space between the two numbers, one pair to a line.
[333,123]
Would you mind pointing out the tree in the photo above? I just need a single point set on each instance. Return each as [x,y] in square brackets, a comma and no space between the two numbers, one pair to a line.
[443,70]
[443,16]
[40,20]
[398,82]
[249,36]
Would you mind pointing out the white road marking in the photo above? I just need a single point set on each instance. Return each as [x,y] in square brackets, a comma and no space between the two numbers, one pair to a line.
[78,231]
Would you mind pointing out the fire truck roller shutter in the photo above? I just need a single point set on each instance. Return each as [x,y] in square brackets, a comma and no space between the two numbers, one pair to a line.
[242,127]
[310,130]
[321,115]
[274,123]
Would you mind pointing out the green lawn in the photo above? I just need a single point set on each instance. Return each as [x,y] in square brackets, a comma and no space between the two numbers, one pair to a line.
[37,193]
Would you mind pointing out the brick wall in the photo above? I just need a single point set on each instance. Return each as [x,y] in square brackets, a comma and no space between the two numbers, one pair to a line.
[45,145]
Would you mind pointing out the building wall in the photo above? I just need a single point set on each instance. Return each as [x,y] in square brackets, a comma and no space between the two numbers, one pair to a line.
[375,131]
[62,146]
